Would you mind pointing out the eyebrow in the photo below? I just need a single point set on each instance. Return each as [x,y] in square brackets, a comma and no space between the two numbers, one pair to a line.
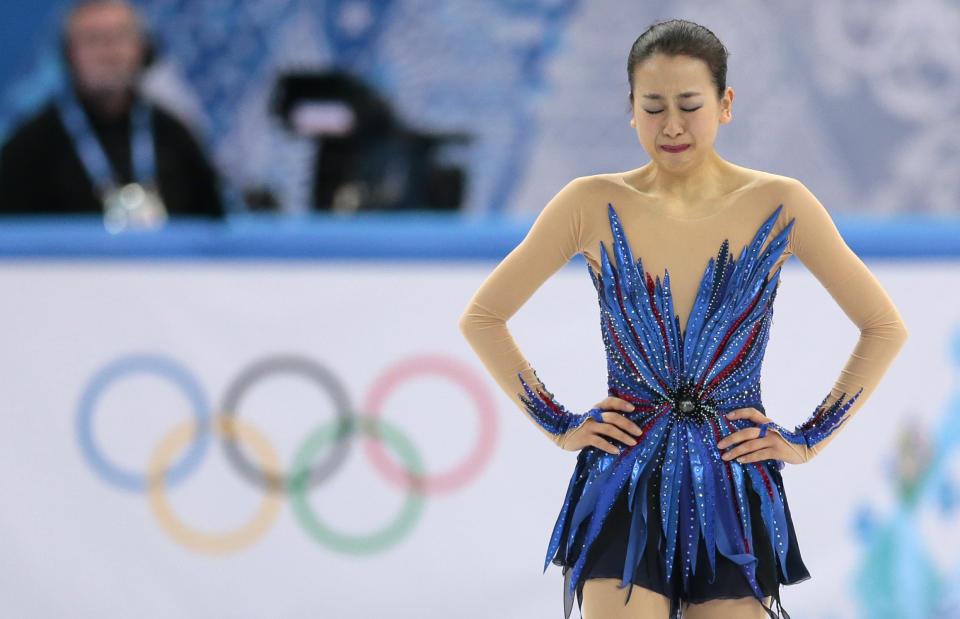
[682,95]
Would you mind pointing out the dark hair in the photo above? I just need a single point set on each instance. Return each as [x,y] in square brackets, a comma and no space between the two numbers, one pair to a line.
[679,37]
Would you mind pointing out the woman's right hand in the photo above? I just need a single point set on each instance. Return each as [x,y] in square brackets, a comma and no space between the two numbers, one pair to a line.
[590,433]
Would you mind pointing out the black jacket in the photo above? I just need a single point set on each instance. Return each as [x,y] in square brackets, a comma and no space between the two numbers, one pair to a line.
[40,172]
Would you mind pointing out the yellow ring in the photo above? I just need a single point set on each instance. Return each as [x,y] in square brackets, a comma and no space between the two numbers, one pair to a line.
[212,543]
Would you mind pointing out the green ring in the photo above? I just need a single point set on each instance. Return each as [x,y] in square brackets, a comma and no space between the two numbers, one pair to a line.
[345,543]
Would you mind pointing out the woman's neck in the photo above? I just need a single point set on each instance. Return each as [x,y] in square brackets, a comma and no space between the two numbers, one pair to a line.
[710,179]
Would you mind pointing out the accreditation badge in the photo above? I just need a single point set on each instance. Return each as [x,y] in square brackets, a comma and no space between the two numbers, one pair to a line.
[133,207]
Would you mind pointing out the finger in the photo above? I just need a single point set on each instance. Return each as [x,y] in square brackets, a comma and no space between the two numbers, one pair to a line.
[747,447]
[603,445]
[616,404]
[738,437]
[768,453]
[615,432]
[622,422]
[748,413]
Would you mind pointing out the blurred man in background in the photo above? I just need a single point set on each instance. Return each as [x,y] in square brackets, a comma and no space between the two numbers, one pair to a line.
[99,147]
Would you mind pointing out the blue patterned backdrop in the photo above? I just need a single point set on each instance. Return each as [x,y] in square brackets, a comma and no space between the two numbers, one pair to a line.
[903,572]
[858,99]
[445,66]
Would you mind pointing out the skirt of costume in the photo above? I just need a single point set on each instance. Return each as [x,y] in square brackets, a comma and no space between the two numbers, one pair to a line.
[607,555]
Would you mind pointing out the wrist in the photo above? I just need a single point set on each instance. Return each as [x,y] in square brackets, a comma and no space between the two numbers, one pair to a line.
[549,414]
[806,438]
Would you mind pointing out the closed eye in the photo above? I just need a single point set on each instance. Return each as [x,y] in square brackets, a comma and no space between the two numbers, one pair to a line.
[683,109]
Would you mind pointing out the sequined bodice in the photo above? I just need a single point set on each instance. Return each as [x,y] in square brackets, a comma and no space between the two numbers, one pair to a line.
[714,364]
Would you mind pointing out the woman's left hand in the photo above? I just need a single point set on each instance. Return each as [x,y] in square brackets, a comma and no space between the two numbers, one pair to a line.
[750,448]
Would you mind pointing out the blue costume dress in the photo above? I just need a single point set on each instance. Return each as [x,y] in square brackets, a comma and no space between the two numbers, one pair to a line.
[669,514]
[662,496]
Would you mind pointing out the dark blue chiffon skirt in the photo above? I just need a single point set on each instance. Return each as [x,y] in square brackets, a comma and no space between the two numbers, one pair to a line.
[607,554]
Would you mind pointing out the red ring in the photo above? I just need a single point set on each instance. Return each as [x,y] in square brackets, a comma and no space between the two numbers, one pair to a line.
[486,410]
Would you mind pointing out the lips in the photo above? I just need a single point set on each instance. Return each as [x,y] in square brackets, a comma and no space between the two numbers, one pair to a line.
[675,148]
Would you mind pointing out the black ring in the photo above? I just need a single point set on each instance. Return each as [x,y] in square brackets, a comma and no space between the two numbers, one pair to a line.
[296,365]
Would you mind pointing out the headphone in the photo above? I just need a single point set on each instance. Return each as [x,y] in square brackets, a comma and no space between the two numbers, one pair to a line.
[148,41]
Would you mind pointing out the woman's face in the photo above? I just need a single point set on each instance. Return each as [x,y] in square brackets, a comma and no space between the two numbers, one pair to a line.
[675,104]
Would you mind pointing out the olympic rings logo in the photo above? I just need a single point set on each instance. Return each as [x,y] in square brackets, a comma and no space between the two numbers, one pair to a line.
[178,454]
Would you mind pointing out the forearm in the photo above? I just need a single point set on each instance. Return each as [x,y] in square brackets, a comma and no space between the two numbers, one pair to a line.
[553,239]
[493,343]
[873,353]
[816,240]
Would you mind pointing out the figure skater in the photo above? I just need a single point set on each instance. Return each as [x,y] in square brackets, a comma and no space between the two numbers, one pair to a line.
[676,502]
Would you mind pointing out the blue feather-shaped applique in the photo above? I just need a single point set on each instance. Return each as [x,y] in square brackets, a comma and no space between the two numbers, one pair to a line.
[546,411]
[824,421]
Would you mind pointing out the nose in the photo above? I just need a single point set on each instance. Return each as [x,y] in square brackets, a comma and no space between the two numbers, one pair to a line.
[672,126]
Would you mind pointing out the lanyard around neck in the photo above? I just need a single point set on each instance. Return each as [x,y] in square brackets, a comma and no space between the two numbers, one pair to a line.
[91,152]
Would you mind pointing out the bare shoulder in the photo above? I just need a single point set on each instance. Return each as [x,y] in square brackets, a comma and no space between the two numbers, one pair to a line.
[781,189]
[585,192]
[787,186]
[570,200]
[595,182]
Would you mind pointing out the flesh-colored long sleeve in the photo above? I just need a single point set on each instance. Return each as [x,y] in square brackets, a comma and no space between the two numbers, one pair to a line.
[551,242]
[818,244]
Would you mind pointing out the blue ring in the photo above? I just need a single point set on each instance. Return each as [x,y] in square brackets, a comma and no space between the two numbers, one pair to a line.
[763,429]
[151,364]
[596,414]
